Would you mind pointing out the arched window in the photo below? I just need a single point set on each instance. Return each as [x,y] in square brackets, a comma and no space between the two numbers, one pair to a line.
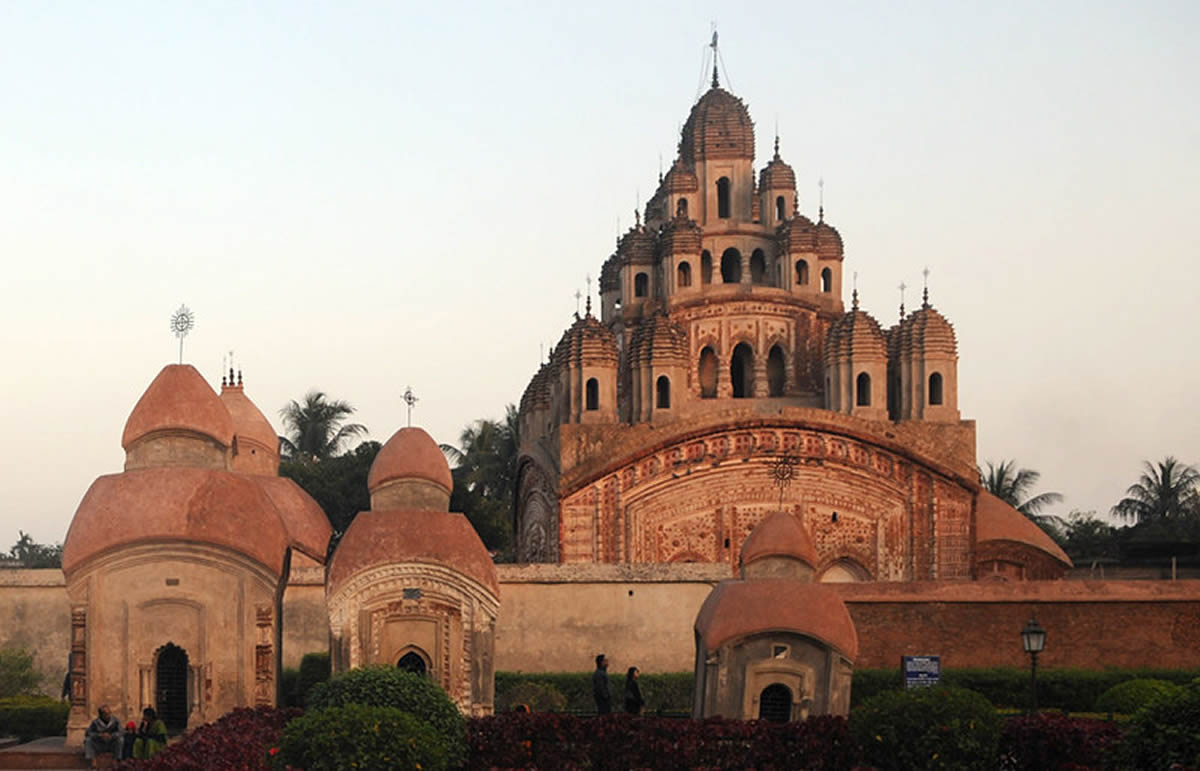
[663,393]
[862,390]
[681,208]
[171,686]
[801,272]
[723,198]
[775,703]
[593,394]
[758,267]
[741,371]
[935,388]
[641,285]
[705,268]
[775,371]
[780,207]
[731,266]
[412,662]
[826,280]
[708,374]
[684,274]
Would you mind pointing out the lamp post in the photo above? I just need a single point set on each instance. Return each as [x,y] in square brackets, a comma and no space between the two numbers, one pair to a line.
[1033,639]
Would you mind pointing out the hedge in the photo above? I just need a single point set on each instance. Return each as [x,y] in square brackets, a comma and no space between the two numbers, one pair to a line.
[665,693]
[31,717]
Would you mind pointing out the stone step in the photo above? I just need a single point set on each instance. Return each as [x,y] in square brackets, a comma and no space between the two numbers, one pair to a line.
[47,752]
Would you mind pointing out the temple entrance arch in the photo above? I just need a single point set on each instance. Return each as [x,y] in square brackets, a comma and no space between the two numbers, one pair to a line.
[775,703]
[171,686]
[413,660]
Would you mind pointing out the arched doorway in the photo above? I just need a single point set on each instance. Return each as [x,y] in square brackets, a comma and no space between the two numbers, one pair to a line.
[775,703]
[171,685]
[708,374]
[775,371]
[731,266]
[741,371]
[412,662]
[758,267]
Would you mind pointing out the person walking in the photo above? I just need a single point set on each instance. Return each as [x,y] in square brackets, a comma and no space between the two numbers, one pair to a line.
[600,691]
[633,694]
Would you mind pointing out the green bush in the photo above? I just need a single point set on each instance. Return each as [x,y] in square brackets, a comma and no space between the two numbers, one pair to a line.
[927,728]
[18,676]
[1166,731]
[538,696]
[314,668]
[360,736]
[289,687]
[392,687]
[31,717]
[664,692]
[1128,697]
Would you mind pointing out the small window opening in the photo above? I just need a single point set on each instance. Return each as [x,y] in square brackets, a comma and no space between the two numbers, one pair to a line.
[758,267]
[801,272]
[708,374]
[935,388]
[775,371]
[684,277]
[705,268]
[681,208]
[826,280]
[741,371]
[593,394]
[641,285]
[731,266]
[862,390]
[780,207]
[723,198]
[663,392]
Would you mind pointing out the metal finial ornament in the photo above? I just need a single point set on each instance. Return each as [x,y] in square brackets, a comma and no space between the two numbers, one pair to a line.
[783,471]
[821,199]
[903,286]
[578,297]
[182,322]
[713,45]
[411,400]
[854,294]
[588,304]
[925,293]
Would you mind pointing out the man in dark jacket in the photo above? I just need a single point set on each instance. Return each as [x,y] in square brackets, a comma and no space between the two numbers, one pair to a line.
[600,686]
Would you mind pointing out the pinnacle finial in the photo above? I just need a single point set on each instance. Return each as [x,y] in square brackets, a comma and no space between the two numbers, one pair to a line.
[854,294]
[588,279]
[821,199]
[716,83]
[902,287]
[925,293]
[776,143]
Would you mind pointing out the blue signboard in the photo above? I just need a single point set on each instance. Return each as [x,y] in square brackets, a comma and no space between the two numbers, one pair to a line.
[921,671]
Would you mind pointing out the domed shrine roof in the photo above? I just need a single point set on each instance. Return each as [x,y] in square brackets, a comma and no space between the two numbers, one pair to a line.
[798,234]
[680,235]
[856,334]
[587,340]
[777,175]
[383,538]
[779,535]
[410,453]
[177,504]
[636,246]
[828,241]
[307,526]
[659,339]
[927,331]
[248,420]
[179,399]
[537,393]
[718,126]
[680,179]
[738,609]
[996,520]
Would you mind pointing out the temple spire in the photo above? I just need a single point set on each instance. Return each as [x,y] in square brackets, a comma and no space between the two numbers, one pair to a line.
[716,83]
[925,293]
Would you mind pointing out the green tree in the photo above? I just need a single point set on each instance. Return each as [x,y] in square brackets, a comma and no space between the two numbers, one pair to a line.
[36,555]
[485,477]
[317,428]
[18,677]
[1015,486]
[338,484]
[1087,538]
[1166,491]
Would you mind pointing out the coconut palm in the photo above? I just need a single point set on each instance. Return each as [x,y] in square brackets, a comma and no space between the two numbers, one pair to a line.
[1168,490]
[485,478]
[317,428]
[1015,485]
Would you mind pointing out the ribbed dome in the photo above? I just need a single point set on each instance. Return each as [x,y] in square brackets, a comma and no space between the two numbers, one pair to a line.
[586,341]
[660,340]
[537,393]
[927,332]
[680,179]
[248,421]
[636,246]
[779,535]
[777,175]
[798,235]
[410,454]
[680,236]
[610,274]
[179,399]
[719,126]
[828,240]
[855,334]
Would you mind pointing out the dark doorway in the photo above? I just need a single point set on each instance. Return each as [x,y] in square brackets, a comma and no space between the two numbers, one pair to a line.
[775,371]
[731,267]
[705,268]
[171,678]
[775,703]
[412,662]
[663,387]
[758,267]
[708,374]
[723,197]
[741,371]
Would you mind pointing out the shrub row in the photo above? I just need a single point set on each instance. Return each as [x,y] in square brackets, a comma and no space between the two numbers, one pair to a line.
[31,717]
[240,740]
[667,693]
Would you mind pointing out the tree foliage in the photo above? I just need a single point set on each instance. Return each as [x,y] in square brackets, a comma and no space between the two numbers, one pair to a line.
[1015,486]
[485,478]
[338,484]
[317,428]
[18,676]
[31,554]
[1167,490]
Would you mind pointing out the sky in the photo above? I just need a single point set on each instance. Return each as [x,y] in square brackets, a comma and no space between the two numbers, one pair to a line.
[360,197]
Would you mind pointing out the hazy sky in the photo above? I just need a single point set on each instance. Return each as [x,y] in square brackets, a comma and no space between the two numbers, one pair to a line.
[357,197]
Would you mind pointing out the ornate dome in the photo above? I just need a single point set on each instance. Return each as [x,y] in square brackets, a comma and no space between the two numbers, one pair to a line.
[777,175]
[178,504]
[610,274]
[681,235]
[680,179]
[587,340]
[307,526]
[856,334]
[926,332]
[179,399]
[798,235]
[636,246]
[660,340]
[779,535]
[410,454]
[738,609]
[719,126]
[828,241]
[254,432]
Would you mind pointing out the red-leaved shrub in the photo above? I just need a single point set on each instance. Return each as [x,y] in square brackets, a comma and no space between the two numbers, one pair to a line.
[1053,742]
[556,741]
[239,741]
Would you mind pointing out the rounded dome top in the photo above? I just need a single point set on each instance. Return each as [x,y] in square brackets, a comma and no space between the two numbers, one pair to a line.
[777,175]
[799,234]
[680,179]
[719,126]
[659,339]
[587,340]
[856,334]
[779,535]
[997,521]
[410,453]
[925,331]
[636,246]
[828,241]
[179,399]
[738,609]
[248,421]
[610,274]
[219,508]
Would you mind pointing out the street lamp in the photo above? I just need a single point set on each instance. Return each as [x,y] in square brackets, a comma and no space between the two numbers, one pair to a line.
[1033,638]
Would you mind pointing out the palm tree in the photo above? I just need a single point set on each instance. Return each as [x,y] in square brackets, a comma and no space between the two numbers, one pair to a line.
[1169,490]
[316,429]
[1014,486]
[485,478]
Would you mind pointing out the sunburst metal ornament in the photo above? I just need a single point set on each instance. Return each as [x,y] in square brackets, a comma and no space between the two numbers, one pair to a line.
[411,400]
[182,322]
[783,471]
